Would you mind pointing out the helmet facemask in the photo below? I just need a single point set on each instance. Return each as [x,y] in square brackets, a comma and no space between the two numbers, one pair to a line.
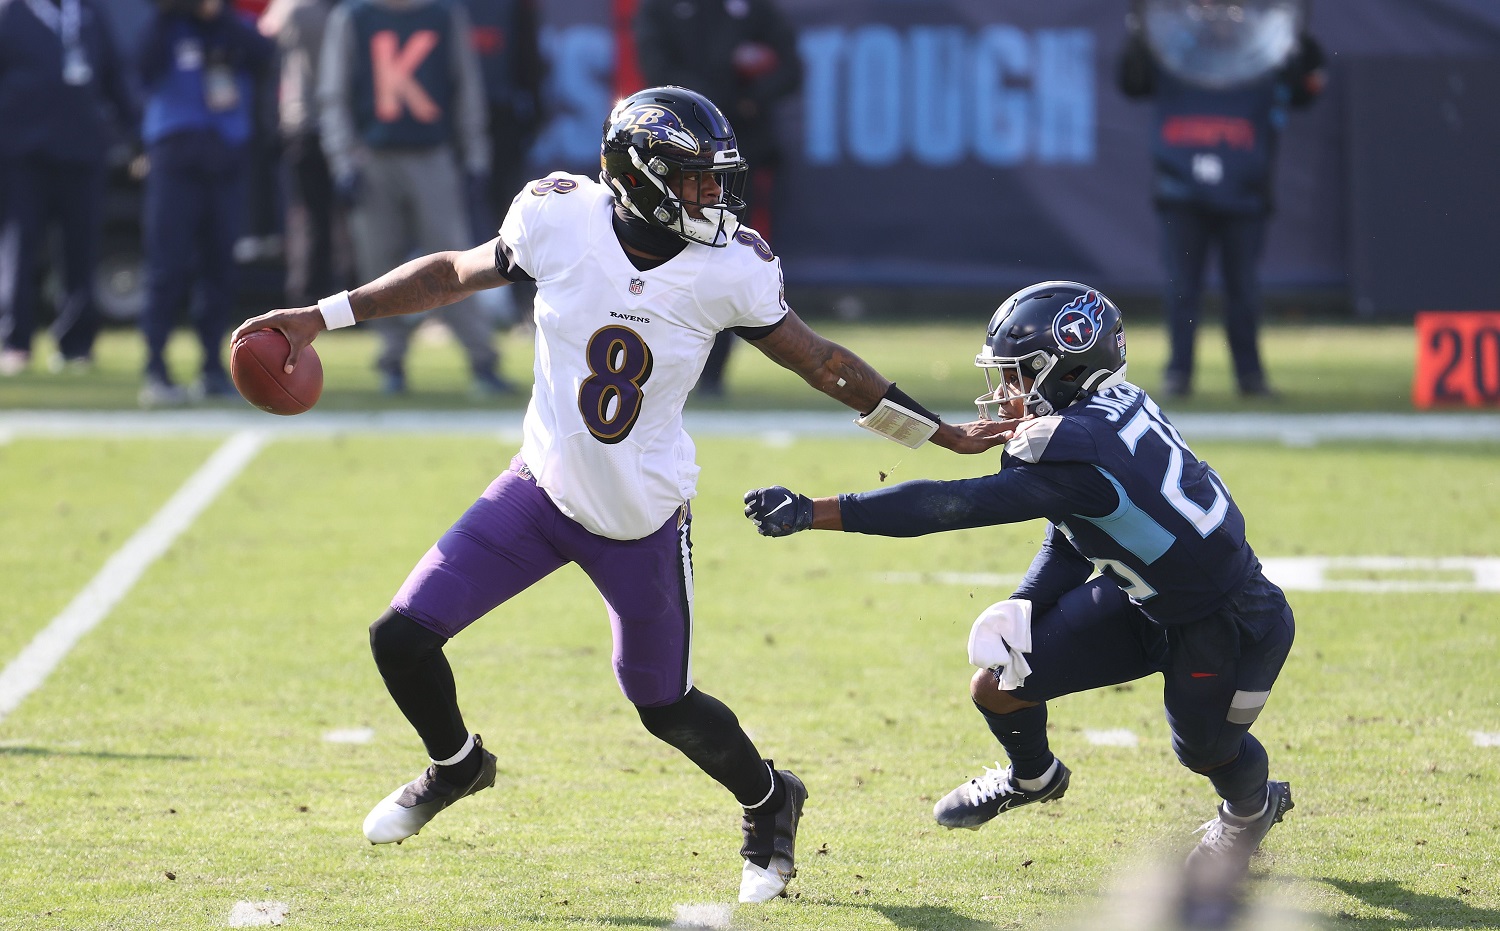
[719,217]
[1006,379]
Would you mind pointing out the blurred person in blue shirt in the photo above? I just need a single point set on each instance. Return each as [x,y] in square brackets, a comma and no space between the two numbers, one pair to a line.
[59,74]
[199,63]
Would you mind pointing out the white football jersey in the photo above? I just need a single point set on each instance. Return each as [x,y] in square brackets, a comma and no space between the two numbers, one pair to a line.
[618,350]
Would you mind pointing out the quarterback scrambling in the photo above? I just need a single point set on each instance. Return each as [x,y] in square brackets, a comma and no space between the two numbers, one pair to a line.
[636,273]
[1178,592]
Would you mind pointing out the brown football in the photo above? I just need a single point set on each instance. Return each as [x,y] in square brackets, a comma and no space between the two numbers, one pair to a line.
[256,362]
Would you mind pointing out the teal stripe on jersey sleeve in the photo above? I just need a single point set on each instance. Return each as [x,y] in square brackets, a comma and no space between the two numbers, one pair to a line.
[1132,527]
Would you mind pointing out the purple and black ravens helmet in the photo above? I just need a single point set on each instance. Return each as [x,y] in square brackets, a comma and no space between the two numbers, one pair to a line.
[652,137]
[1065,336]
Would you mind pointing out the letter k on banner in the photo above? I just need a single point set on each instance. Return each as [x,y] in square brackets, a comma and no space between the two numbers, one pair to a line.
[395,76]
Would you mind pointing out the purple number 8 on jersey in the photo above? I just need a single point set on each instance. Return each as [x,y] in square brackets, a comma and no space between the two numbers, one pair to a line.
[549,185]
[610,398]
[762,249]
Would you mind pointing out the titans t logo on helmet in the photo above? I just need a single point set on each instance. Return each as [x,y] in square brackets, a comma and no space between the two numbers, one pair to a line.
[660,124]
[1076,326]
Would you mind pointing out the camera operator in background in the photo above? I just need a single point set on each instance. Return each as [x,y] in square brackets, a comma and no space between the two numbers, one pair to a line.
[59,68]
[200,64]
[1222,76]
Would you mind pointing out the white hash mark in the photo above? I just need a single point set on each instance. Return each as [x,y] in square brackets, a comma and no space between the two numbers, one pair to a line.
[258,914]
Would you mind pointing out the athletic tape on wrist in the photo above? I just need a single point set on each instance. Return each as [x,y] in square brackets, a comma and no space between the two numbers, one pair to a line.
[898,417]
[337,311]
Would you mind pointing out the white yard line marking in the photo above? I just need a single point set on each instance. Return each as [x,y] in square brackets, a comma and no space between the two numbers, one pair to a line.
[33,664]
[1119,737]
[352,735]
[709,917]
[258,914]
[1363,573]
[1304,574]
[1485,739]
[978,579]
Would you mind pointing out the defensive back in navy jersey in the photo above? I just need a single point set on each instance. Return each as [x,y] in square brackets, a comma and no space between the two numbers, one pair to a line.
[1114,476]
[1175,540]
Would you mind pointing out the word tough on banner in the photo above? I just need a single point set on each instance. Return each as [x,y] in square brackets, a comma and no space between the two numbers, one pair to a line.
[939,95]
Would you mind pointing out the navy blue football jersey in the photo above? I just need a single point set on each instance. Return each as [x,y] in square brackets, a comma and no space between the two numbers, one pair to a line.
[1122,491]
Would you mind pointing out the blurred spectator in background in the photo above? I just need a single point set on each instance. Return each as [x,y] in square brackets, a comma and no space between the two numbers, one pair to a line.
[742,54]
[398,86]
[1222,75]
[510,62]
[58,69]
[504,35]
[312,266]
[261,238]
[200,63]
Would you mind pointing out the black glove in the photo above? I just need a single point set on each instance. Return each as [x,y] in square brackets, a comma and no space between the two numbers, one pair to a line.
[777,511]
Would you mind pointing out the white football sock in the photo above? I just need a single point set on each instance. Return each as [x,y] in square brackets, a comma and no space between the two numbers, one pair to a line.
[459,756]
[1035,785]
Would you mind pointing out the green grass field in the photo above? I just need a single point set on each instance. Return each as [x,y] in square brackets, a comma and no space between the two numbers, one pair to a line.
[175,763]
[1317,368]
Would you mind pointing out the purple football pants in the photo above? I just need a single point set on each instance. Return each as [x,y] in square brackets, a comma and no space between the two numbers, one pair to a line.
[514,536]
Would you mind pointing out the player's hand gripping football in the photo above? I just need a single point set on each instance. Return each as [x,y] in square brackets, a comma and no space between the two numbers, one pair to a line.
[778,511]
[299,325]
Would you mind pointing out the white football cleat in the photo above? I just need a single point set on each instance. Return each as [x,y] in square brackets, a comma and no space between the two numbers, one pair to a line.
[407,810]
[762,885]
[772,836]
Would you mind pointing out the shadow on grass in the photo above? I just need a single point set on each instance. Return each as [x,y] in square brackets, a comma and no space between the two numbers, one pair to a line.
[1419,909]
[915,917]
[95,754]
[931,917]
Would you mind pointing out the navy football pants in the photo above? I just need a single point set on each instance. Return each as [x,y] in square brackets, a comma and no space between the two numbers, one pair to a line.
[1218,671]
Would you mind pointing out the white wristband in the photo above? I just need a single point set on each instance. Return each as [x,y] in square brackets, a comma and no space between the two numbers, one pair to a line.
[896,422]
[337,311]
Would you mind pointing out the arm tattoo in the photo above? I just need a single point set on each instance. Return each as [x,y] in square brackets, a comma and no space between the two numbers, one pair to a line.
[421,284]
[825,365]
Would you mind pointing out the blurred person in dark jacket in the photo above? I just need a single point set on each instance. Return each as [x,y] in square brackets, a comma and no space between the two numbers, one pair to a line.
[742,54]
[402,111]
[506,40]
[1213,154]
[312,264]
[199,63]
[59,73]
[504,36]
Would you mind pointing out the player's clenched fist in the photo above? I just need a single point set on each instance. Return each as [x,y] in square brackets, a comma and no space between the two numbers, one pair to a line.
[778,511]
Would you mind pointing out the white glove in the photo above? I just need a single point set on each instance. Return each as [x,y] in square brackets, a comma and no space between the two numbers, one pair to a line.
[998,640]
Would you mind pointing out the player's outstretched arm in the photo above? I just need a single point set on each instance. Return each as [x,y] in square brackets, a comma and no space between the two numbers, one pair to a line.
[422,284]
[852,381]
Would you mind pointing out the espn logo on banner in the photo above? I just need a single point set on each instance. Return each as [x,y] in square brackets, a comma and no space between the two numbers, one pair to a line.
[1458,359]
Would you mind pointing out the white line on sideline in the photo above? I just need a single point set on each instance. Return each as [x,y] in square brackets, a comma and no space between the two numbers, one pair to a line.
[33,664]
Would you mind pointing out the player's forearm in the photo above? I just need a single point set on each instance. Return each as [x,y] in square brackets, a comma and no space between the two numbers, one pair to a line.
[847,378]
[421,284]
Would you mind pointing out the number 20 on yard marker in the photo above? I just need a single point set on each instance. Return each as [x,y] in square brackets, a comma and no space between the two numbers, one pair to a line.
[1458,359]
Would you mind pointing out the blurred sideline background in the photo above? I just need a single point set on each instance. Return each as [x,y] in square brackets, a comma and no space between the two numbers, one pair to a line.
[942,154]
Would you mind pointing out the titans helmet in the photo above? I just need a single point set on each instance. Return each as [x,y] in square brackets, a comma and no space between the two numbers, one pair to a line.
[654,136]
[1065,337]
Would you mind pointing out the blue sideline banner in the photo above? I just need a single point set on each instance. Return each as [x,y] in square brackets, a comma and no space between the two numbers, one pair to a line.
[975,143]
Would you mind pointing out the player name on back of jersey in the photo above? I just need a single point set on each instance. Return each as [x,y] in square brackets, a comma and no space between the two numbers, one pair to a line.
[1116,401]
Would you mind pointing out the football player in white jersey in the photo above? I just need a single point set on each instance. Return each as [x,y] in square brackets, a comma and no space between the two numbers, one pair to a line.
[636,273]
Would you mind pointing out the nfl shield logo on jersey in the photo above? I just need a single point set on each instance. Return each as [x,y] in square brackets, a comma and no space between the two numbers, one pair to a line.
[637,285]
